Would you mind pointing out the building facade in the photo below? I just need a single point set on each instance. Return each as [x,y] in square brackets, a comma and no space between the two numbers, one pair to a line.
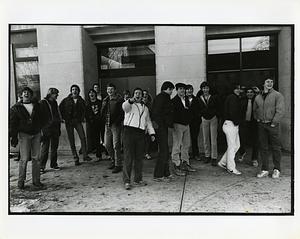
[43,56]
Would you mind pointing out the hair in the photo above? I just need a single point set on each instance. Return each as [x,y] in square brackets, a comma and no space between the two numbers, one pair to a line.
[26,88]
[180,85]
[167,85]
[249,88]
[76,86]
[126,92]
[52,91]
[96,84]
[92,90]
[137,88]
[204,84]
[234,86]
[189,87]
[111,85]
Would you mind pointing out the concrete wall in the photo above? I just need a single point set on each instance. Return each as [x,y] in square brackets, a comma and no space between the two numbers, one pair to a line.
[285,78]
[180,55]
[60,63]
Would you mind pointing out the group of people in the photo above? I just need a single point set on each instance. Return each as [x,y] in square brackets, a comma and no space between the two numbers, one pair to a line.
[131,122]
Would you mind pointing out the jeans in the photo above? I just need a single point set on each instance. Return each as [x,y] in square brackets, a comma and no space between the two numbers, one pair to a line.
[233,144]
[29,148]
[248,137]
[162,163]
[94,130]
[210,133]
[70,131]
[269,136]
[112,143]
[54,140]
[134,150]
[194,131]
[181,144]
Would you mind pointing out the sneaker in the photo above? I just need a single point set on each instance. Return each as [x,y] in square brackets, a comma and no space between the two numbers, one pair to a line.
[148,157]
[87,158]
[140,183]
[42,171]
[197,158]
[159,179]
[127,186]
[214,162]
[117,169]
[56,168]
[255,163]
[105,156]
[178,171]
[21,185]
[112,166]
[77,163]
[276,173]
[188,168]
[242,156]
[262,174]
[234,171]
[222,165]
[37,187]
[207,160]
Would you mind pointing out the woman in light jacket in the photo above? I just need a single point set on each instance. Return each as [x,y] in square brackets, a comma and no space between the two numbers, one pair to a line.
[136,123]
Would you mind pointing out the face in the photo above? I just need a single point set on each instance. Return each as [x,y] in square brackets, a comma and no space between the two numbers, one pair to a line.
[138,95]
[110,90]
[96,88]
[145,94]
[268,84]
[74,91]
[54,96]
[169,91]
[26,95]
[189,91]
[237,90]
[126,96]
[250,94]
[181,91]
[92,95]
[205,89]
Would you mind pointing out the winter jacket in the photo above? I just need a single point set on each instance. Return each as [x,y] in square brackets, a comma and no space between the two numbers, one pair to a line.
[116,115]
[181,114]
[137,116]
[49,109]
[210,109]
[21,121]
[72,112]
[232,109]
[195,110]
[270,109]
[162,110]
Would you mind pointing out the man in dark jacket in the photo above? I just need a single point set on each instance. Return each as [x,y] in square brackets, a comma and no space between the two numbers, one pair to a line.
[162,117]
[113,116]
[72,110]
[25,126]
[51,130]
[181,132]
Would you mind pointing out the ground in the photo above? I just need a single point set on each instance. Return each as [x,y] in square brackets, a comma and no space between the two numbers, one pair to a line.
[92,187]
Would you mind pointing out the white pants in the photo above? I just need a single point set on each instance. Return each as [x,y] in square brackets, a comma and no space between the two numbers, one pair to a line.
[233,144]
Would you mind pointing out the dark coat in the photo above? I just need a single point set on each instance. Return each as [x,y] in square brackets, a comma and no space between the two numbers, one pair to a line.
[181,114]
[162,110]
[67,106]
[90,116]
[53,120]
[21,121]
[232,109]
[209,110]
[117,116]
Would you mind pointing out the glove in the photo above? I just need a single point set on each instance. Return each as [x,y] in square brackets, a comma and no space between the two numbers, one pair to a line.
[14,142]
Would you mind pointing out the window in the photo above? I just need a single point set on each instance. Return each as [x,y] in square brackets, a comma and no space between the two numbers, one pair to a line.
[26,67]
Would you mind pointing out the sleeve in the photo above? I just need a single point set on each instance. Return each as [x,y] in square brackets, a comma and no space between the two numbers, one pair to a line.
[61,108]
[149,127]
[126,106]
[157,110]
[13,123]
[255,108]
[279,109]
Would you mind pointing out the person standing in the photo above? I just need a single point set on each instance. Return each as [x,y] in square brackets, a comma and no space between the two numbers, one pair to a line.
[137,121]
[26,122]
[268,110]
[72,110]
[162,119]
[181,132]
[209,111]
[195,120]
[51,131]
[93,119]
[232,117]
[113,116]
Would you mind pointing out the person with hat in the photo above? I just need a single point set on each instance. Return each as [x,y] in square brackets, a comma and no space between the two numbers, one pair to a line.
[26,122]
[181,132]
[72,110]
[51,131]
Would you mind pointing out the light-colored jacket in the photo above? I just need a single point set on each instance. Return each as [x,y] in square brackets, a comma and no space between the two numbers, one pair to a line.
[137,116]
[270,109]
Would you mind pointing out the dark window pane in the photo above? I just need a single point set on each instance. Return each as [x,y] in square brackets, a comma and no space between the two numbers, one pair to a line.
[257,77]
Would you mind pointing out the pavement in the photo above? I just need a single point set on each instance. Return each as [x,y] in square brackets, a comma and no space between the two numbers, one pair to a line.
[92,188]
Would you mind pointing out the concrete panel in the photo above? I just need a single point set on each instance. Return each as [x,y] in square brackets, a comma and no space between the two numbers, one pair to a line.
[46,58]
[180,49]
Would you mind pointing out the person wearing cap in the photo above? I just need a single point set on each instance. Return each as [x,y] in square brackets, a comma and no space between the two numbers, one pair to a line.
[181,132]
[137,123]
[26,122]
[209,114]
[268,110]
[195,120]
[232,117]
[72,110]
[51,131]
